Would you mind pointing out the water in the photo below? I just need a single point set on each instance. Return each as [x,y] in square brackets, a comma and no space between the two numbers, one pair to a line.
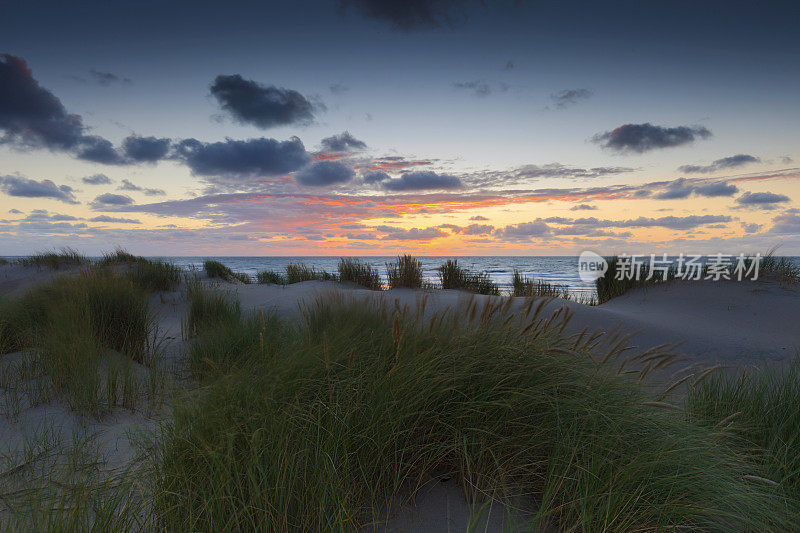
[558,270]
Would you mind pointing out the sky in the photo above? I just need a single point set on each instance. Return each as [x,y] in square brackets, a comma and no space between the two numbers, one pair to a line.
[358,127]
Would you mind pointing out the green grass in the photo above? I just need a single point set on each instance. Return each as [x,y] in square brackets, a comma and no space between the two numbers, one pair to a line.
[55,259]
[529,287]
[270,276]
[405,272]
[353,270]
[781,268]
[4,261]
[215,269]
[453,276]
[120,256]
[208,308]
[760,409]
[299,272]
[71,323]
[154,275]
[315,426]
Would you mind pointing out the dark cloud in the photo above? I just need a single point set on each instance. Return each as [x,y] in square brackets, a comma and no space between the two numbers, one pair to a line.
[127,185]
[568,97]
[671,222]
[375,176]
[43,214]
[720,164]
[509,65]
[583,207]
[751,227]
[324,173]
[343,142]
[114,220]
[241,159]
[716,189]
[338,88]
[683,188]
[145,149]
[478,88]
[409,15]
[263,106]
[527,173]
[761,200]
[787,223]
[110,199]
[30,115]
[28,188]
[642,138]
[413,234]
[426,180]
[107,78]
[524,231]
[478,218]
[97,179]
[99,150]
[477,229]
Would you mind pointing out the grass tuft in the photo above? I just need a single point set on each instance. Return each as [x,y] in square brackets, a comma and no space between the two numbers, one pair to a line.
[453,276]
[352,269]
[405,272]
[55,259]
[299,272]
[529,287]
[270,276]
[215,269]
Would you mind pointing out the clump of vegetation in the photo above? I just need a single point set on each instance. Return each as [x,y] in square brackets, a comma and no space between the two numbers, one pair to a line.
[760,409]
[609,286]
[270,276]
[405,272]
[352,269]
[529,287]
[4,261]
[71,323]
[358,406]
[298,272]
[120,256]
[453,276]
[781,268]
[155,275]
[215,269]
[208,308]
[56,259]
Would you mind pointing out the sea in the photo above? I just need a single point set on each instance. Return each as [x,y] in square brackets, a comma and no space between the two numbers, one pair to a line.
[557,270]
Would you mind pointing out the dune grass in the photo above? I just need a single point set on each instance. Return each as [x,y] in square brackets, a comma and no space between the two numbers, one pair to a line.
[270,276]
[353,270]
[780,268]
[299,272]
[524,286]
[316,426]
[453,276]
[85,332]
[760,409]
[405,272]
[55,259]
[207,308]
[215,269]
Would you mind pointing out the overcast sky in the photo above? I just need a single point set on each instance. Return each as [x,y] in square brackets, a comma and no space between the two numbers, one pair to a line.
[375,127]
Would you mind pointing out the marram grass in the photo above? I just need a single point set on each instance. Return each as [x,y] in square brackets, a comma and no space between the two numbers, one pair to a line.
[315,426]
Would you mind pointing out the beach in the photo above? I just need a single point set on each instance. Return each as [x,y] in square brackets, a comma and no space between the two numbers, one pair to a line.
[656,335]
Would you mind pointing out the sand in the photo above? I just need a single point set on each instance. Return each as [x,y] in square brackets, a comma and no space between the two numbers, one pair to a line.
[704,323]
